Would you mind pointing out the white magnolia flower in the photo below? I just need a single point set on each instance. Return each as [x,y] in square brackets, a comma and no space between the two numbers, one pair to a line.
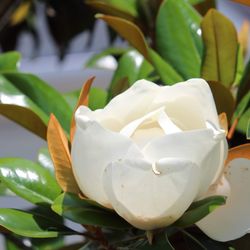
[151,152]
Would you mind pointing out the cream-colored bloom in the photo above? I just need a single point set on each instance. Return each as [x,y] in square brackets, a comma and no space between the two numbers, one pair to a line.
[150,152]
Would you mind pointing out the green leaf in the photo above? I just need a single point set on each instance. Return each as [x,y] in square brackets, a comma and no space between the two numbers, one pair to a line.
[240,67]
[114,8]
[93,61]
[178,37]
[43,95]
[29,180]
[199,210]
[242,113]
[31,225]
[248,129]
[168,75]
[244,86]
[193,2]
[243,121]
[160,242]
[223,98]
[131,67]
[243,106]
[9,61]
[128,6]
[221,48]
[128,68]
[135,37]
[11,95]
[72,98]
[45,161]
[86,212]
[48,244]
[9,245]
[97,98]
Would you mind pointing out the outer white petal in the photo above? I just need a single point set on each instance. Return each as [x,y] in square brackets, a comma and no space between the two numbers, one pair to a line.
[93,149]
[232,220]
[198,146]
[190,103]
[148,200]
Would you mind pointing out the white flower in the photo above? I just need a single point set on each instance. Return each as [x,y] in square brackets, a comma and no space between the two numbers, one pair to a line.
[150,152]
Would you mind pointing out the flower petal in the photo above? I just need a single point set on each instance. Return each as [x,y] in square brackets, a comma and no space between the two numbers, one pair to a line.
[232,220]
[190,104]
[93,149]
[198,146]
[147,199]
[133,103]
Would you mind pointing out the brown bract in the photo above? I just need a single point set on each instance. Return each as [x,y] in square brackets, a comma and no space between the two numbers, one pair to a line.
[59,152]
[83,100]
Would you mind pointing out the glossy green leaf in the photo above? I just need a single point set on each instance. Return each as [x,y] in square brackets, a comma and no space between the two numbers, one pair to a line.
[131,67]
[244,86]
[31,225]
[135,37]
[9,61]
[43,95]
[85,212]
[178,37]
[223,98]
[11,95]
[29,180]
[167,74]
[97,98]
[199,210]
[221,48]
[128,67]
[45,161]
[128,6]
[93,61]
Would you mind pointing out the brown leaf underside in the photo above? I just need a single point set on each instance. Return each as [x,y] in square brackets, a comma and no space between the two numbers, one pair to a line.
[83,100]
[59,151]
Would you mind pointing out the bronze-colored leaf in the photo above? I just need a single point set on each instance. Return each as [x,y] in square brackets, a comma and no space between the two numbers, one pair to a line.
[83,100]
[243,36]
[223,99]
[246,2]
[223,121]
[60,155]
[221,48]
[25,117]
[109,9]
[242,151]
[128,31]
